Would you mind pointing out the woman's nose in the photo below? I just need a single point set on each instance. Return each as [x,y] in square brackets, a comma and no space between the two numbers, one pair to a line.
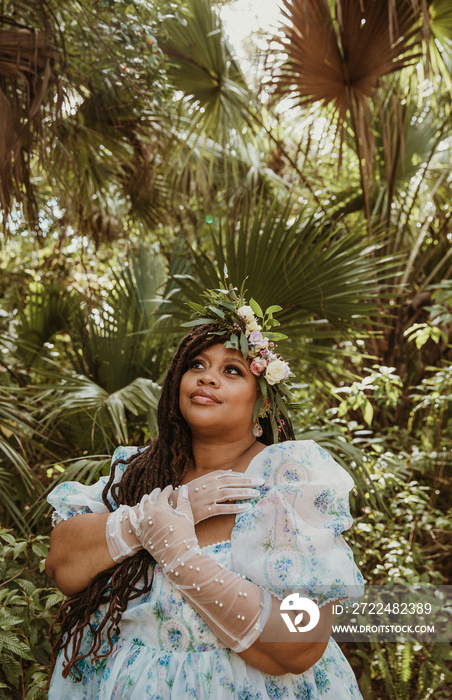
[208,377]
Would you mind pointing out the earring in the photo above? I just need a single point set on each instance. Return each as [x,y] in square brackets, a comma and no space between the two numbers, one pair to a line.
[257,430]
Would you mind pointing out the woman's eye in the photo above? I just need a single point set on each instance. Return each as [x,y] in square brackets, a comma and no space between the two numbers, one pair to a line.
[196,364]
[232,369]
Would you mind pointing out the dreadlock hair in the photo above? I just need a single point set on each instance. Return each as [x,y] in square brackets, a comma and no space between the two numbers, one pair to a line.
[164,461]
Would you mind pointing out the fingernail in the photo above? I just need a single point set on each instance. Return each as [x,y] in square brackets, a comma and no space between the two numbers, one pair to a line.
[244,506]
[184,490]
[252,492]
[257,482]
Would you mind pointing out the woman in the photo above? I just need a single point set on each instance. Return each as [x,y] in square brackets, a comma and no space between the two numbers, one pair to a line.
[176,593]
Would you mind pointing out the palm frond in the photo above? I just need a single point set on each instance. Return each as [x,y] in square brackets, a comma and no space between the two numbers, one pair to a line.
[28,85]
[325,279]
[440,40]
[342,59]
[204,69]
[18,482]
[77,395]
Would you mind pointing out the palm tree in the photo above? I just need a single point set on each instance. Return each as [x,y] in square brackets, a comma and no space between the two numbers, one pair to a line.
[354,67]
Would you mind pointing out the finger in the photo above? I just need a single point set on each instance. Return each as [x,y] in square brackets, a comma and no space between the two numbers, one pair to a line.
[167,493]
[237,494]
[183,505]
[152,497]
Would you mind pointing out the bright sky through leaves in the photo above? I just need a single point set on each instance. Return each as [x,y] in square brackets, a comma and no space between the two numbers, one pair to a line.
[243,17]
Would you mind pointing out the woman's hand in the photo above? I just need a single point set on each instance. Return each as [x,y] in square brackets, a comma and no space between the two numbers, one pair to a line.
[168,534]
[236,609]
[209,494]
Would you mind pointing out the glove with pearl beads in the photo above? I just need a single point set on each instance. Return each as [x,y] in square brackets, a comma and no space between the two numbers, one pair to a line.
[207,495]
[234,608]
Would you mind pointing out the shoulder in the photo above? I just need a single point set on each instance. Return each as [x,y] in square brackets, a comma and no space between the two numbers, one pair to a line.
[124,453]
[71,497]
[299,462]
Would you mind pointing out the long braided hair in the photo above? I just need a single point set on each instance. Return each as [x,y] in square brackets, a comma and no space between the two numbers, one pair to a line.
[164,461]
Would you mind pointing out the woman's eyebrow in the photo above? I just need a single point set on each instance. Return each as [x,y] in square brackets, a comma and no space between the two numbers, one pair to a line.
[239,361]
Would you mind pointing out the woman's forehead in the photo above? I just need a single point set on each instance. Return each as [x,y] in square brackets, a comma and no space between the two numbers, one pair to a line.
[221,349]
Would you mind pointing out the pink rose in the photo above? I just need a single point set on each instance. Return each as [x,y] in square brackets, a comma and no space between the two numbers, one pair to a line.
[257,366]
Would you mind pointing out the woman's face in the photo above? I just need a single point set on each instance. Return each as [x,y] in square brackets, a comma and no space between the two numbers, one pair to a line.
[218,392]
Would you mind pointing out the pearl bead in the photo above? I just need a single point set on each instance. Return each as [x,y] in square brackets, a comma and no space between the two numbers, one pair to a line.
[198,588]
[150,521]
[171,528]
[242,618]
[176,573]
[165,541]
[197,568]
[191,567]
[204,486]
[240,592]
[245,594]
[166,545]
[216,602]
[221,580]
[209,509]
[194,585]
[238,617]
[182,563]
[188,546]
[152,547]
[196,489]
[220,605]
[216,580]
[130,532]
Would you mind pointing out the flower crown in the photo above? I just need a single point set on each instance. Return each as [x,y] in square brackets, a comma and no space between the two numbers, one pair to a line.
[250,333]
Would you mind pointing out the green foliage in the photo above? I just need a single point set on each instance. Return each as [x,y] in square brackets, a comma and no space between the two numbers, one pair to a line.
[385,387]
[398,671]
[27,606]
[133,176]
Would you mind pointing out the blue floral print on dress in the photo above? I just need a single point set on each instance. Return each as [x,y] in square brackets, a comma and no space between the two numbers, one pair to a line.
[285,542]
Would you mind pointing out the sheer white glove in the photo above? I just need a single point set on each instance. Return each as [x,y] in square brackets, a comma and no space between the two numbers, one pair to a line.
[234,608]
[120,532]
[207,494]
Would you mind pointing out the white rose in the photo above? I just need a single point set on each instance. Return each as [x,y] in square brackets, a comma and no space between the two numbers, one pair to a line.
[246,312]
[276,371]
[252,326]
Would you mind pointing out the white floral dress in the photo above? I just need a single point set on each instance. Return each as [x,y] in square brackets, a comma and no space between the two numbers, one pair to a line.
[289,541]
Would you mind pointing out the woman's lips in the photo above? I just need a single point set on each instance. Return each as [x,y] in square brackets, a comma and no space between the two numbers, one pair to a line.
[204,397]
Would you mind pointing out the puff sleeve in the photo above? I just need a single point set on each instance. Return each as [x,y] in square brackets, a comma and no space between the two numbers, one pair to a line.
[291,539]
[72,498]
